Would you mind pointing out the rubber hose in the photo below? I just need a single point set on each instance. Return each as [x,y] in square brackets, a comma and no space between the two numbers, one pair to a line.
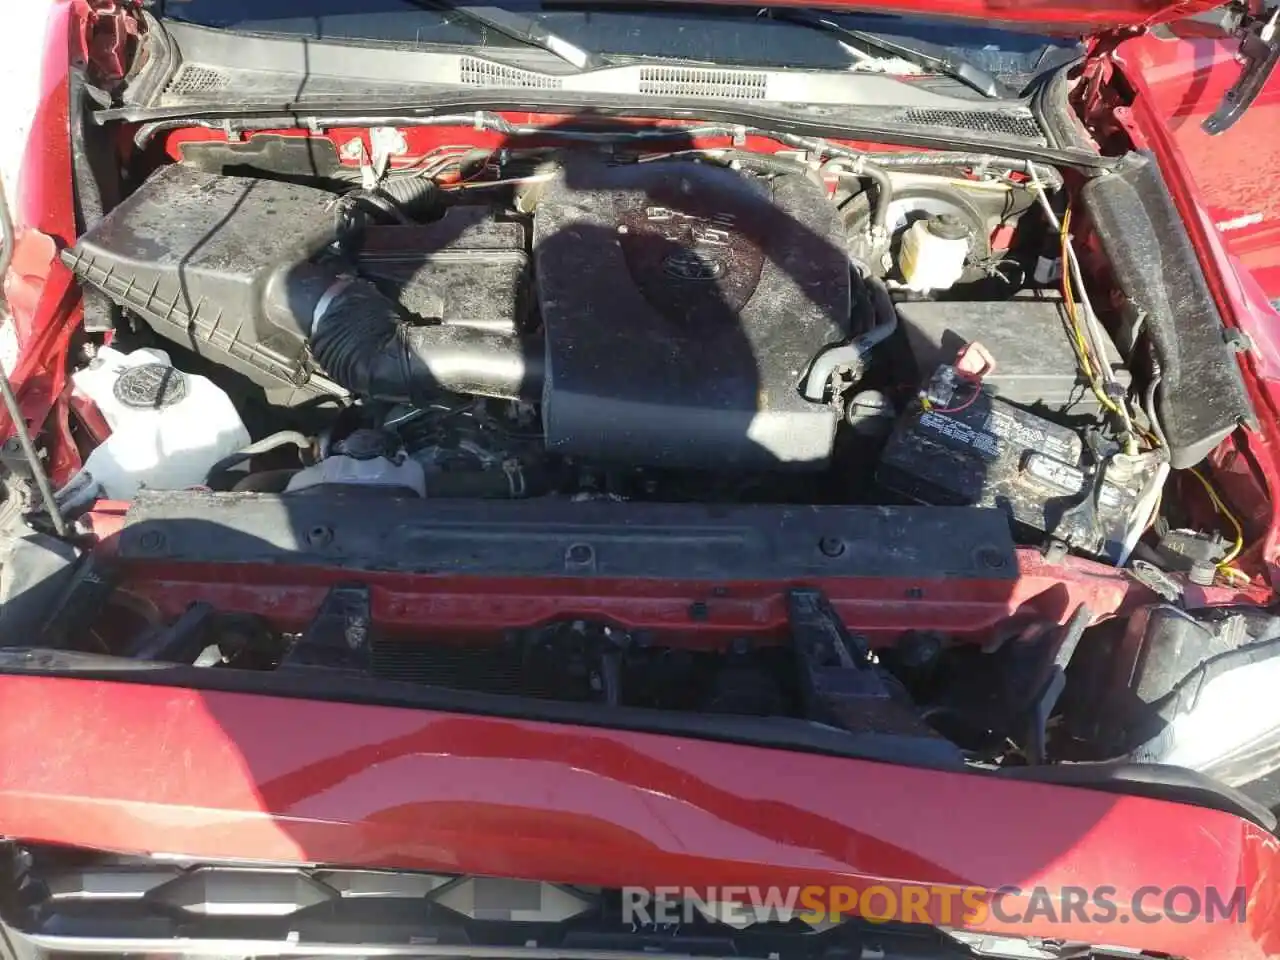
[411,195]
[414,195]
[854,353]
[876,174]
[886,315]
[359,338]
[767,163]
[884,195]
[274,442]
[376,200]
[1048,175]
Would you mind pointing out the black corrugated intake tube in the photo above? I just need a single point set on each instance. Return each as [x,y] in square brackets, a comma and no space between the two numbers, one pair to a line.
[413,195]
[403,199]
[359,337]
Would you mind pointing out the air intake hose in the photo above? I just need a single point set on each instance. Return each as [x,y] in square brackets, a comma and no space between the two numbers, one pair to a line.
[361,340]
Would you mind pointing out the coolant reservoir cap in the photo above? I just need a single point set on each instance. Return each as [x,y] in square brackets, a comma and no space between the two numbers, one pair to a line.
[150,386]
[947,226]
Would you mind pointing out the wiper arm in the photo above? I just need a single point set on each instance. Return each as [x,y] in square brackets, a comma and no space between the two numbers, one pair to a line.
[970,74]
[518,27]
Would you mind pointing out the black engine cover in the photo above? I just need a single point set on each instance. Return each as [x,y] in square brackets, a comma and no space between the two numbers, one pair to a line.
[683,305]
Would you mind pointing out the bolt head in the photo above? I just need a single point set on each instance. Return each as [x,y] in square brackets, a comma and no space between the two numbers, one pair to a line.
[831,546]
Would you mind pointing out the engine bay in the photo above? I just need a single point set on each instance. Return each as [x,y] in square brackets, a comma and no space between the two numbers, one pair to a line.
[845,438]
[683,326]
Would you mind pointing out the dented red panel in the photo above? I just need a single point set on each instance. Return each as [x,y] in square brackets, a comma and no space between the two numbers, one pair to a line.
[45,202]
[105,33]
[1235,171]
[43,298]
[143,769]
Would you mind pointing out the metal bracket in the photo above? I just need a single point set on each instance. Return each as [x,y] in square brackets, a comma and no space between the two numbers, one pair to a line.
[1237,340]
[338,638]
[843,685]
[1258,56]
[1053,681]
[837,683]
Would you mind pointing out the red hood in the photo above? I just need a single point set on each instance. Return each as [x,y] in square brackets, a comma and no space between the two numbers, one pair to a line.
[1050,16]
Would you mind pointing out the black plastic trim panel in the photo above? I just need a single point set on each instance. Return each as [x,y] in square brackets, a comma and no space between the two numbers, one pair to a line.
[1202,396]
[854,122]
[354,531]
[1056,116]
[1155,780]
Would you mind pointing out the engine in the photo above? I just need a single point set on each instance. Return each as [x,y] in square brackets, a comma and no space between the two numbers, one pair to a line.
[714,326]
[682,304]
[784,353]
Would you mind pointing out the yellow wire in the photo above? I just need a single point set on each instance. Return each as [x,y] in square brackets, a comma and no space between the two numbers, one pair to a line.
[1081,345]
[1155,511]
[1225,568]
[1082,352]
[1224,510]
[1224,565]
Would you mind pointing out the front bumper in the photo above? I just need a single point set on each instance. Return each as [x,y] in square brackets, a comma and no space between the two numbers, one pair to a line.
[216,776]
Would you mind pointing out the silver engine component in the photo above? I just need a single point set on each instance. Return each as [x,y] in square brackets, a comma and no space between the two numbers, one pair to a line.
[365,458]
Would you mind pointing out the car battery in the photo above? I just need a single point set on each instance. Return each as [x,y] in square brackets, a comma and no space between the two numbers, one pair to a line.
[968,447]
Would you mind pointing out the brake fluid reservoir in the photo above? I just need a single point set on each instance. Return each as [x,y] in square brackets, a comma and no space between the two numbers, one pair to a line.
[933,252]
[168,427]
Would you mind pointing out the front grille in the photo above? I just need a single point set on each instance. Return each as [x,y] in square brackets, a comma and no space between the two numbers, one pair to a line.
[695,82]
[82,892]
[980,121]
[194,80]
[65,903]
[484,73]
